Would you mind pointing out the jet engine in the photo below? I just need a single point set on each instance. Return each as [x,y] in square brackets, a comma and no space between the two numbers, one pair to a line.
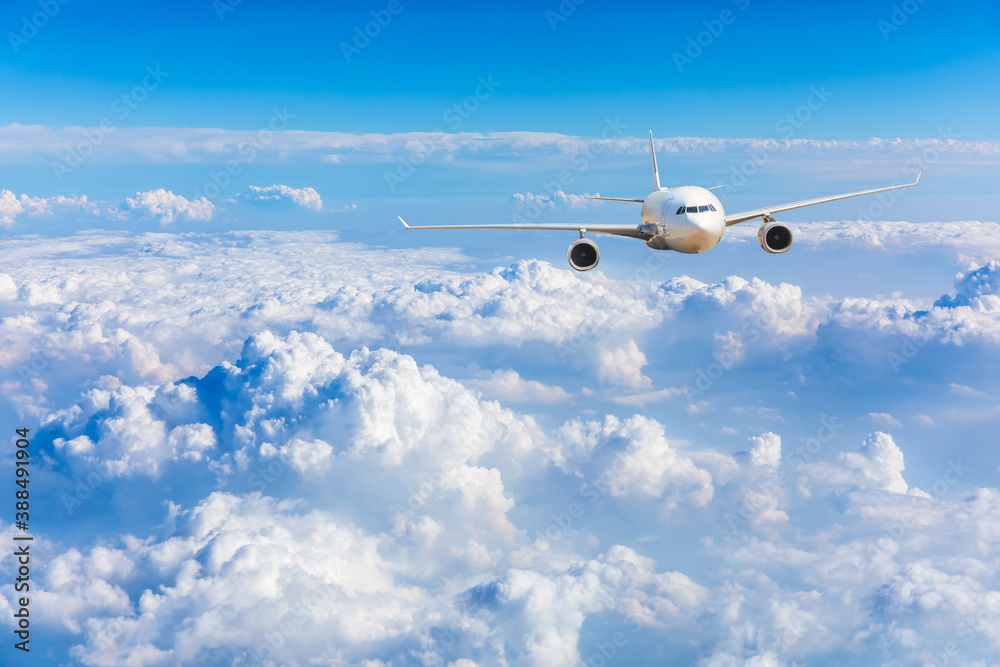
[583,254]
[774,237]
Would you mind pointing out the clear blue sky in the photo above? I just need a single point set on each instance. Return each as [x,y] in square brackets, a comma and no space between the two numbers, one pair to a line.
[940,67]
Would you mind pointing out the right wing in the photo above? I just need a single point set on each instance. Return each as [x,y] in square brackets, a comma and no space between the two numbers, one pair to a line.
[633,231]
[743,216]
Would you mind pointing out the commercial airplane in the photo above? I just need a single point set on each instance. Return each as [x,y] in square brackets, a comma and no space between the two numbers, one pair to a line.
[687,219]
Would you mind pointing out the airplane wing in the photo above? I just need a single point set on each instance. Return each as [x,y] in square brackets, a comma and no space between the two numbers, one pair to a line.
[634,231]
[743,216]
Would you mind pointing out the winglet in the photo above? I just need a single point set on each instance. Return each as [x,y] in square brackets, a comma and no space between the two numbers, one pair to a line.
[918,177]
[403,221]
[656,171]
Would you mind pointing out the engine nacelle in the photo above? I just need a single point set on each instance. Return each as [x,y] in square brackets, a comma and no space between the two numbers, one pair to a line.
[583,254]
[774,237]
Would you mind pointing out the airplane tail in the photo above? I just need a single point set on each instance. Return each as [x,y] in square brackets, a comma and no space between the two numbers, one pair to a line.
[656,171]
[656,177]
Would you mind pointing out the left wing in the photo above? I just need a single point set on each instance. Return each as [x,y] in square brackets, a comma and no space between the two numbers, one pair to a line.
[618,230]
[743,216]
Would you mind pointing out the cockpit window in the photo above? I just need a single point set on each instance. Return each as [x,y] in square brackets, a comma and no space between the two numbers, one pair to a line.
[680,210]
[692,209]
[702,209]
[711,207]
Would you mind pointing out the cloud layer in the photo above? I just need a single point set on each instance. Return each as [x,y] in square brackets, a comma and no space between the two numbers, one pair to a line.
[24,143]
[253,458]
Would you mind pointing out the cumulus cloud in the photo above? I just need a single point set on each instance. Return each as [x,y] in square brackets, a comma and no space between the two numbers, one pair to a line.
[877,465]
[971,315]
[166,207]
[528,201]
[276,194]
[250,398]
[972,285]
[632,457]
[230,571]
[12,205]
[622,366]
[766,450]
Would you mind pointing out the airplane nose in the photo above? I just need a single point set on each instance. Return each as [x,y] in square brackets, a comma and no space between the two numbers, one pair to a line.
[712,224]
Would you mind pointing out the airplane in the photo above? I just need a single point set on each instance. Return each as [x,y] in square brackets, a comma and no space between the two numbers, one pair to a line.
[687,219]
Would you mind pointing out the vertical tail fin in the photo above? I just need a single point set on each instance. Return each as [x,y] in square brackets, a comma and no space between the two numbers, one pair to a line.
[656,171]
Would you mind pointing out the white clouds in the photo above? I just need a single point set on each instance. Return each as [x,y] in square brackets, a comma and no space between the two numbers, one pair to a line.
[25,143]
[877,465]
[196,370]
[766,450]
[276,194]
[232,574]
[166,207]
[633,457]
[881,462]
[973,285]
[551,608]
[884,418]
[622,366]
[557,200]
[510,387]
[971,237]
[972,315]
[8,288]
[11,206]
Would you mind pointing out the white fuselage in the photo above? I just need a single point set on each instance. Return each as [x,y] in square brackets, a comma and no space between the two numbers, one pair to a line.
[695,229]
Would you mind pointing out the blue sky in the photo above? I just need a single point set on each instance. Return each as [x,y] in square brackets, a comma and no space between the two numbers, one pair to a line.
[271,424]
[83,65]
[936,68]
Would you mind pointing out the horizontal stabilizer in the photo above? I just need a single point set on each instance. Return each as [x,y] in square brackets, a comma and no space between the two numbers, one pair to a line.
[637,201]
